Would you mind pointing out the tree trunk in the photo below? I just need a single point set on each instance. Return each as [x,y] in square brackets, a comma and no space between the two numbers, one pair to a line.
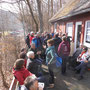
[51,8]
[48,12]
[60,3]
[40,15]
[28,3]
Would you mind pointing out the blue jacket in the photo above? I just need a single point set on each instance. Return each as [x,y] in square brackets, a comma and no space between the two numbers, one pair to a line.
[50,54]
[37,42]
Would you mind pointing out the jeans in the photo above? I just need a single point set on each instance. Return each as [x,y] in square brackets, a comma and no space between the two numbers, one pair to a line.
[64,62]
[81,66]
[51,79]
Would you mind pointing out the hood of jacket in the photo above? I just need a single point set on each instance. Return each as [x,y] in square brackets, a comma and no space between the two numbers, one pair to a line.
[50,48]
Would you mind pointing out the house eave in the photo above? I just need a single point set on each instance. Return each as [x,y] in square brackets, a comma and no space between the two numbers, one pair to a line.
[70,15]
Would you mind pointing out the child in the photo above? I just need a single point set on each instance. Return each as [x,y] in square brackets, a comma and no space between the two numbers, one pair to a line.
[23,56]
[20,72]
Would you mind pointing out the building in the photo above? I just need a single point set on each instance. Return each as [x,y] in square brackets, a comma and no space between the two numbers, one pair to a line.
[74,19]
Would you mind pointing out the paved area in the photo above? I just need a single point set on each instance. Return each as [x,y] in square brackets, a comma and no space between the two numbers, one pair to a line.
[70,81]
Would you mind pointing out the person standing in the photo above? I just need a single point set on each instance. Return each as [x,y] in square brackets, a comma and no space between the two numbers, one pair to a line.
[63,52]
[50,57]
[31,37]
[27,40]
[57,41]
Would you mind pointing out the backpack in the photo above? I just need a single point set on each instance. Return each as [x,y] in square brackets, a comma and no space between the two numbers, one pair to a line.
[65,48]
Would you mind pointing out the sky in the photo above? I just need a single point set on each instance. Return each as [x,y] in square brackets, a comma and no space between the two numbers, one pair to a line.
[9,7]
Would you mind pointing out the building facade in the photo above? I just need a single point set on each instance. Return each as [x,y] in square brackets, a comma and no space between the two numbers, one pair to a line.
[74,19]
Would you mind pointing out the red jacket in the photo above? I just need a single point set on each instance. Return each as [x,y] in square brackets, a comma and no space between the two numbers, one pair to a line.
[64,48]
[31,37]
[21,75]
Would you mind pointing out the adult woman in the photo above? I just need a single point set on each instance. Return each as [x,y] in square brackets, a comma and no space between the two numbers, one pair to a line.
[50,57]
[83,59]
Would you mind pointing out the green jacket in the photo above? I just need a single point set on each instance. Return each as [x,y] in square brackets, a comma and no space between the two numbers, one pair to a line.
[50,54]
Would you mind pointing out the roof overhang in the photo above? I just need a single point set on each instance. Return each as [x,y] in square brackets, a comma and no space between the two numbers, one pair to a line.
[70,15]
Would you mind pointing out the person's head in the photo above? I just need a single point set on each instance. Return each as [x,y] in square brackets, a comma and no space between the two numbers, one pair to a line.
[19,64]
[32,33]
[42,34]
[48,36]
[22,55]
[66,34]
[64,38]
[30,54]
[38,34]
[50,42]
[31,83]
[33,45]
[85,49]
[23,50]
[81,46]
[63,35]
[56,35]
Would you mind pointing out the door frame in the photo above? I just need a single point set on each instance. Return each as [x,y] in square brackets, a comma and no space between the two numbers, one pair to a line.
[76,29]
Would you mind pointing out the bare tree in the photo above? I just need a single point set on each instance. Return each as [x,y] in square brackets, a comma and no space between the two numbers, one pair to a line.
[60,3]
[40,15]
[48,11]
[30,9]
[51,8]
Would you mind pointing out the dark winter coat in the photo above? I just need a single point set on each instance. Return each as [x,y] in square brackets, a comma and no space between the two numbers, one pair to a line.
[57,41]
[33,66]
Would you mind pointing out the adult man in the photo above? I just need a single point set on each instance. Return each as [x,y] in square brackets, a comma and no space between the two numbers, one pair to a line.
[57,41]
[33,48]
[63,52]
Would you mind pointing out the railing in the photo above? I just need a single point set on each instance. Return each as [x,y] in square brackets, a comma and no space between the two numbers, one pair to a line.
[13,84]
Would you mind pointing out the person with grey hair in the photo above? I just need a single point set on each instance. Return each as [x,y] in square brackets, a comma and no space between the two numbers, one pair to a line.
[31,63]
[31,83]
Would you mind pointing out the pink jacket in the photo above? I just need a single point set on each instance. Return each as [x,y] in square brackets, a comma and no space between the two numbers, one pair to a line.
[64,48]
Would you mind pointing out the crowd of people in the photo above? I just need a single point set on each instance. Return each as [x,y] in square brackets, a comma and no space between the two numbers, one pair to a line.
[41,49]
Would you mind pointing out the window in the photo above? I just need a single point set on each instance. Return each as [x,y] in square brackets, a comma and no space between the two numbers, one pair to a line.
[69,29]
[63,28]
[55,27]
[87,34]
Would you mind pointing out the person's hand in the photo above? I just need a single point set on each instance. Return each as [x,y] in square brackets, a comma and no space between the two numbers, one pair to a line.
[44,46]
[78,60]
[39,52]
[86,61]
[48,63]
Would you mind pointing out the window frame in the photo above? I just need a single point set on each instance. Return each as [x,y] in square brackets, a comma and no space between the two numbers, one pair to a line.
[86,43]
[67,27]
